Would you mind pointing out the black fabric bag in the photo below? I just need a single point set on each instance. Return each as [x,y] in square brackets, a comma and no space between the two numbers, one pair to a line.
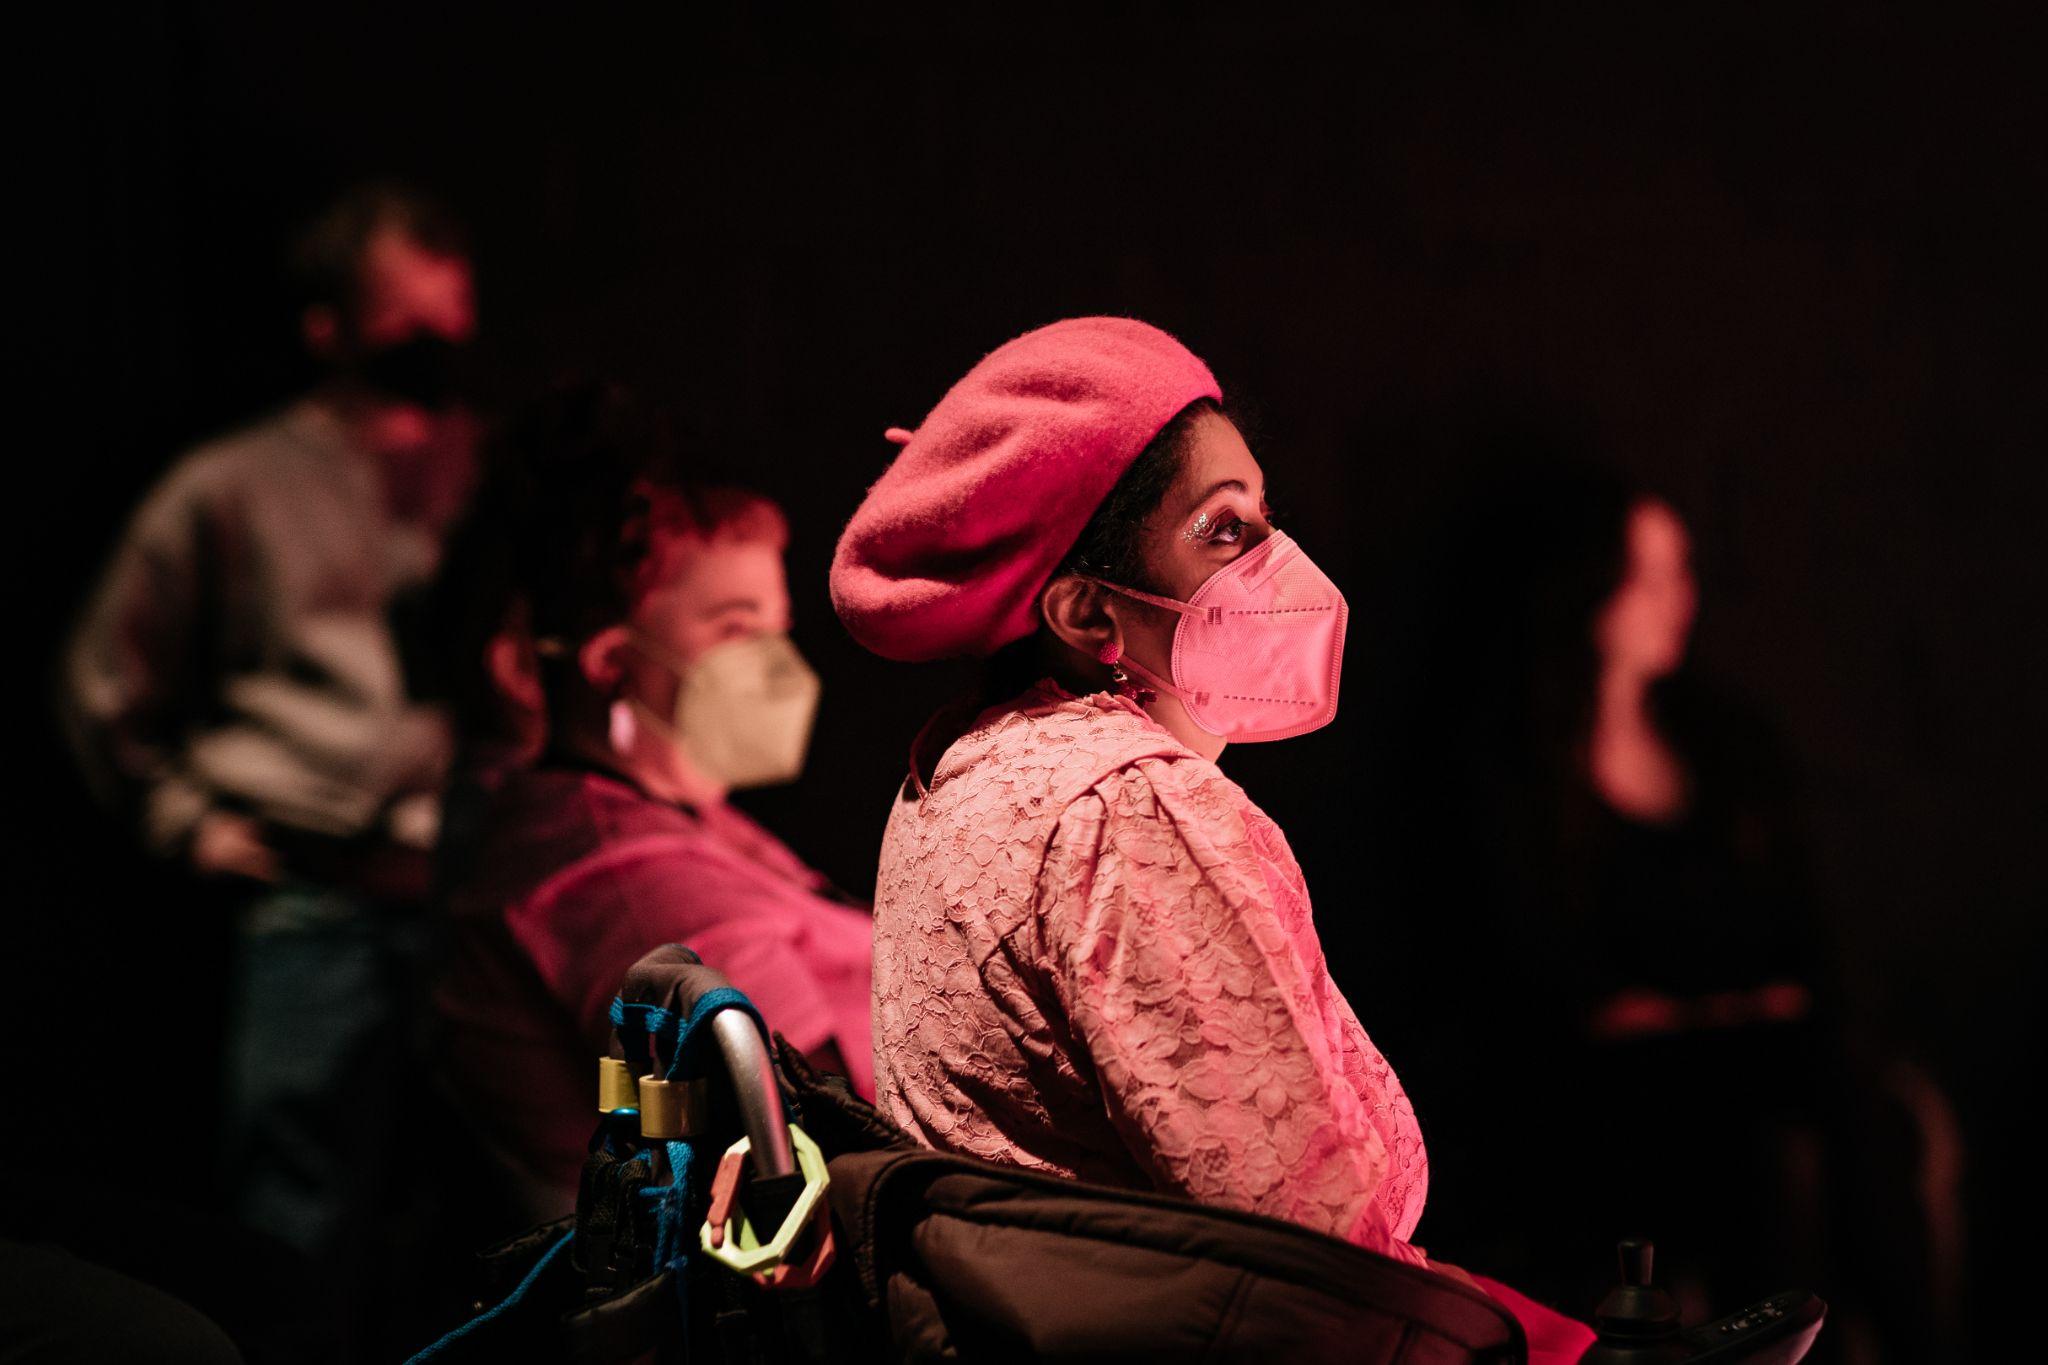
[964,1260]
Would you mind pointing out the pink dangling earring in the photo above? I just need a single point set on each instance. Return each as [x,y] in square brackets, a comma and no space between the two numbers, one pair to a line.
[1110,653]
[622,727]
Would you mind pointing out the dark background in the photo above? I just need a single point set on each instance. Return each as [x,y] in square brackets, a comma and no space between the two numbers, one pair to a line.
[1777,266]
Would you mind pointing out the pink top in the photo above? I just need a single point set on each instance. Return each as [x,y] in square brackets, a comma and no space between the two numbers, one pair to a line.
[578,874]
[1094,956]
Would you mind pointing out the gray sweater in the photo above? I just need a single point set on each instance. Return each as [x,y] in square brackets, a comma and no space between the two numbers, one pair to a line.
[239,652]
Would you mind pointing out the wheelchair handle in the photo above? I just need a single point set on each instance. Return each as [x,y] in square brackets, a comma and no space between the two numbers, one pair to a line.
[753,1085]
[675,979]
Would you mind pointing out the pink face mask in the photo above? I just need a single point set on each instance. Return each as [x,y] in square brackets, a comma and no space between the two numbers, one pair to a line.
[1258,649]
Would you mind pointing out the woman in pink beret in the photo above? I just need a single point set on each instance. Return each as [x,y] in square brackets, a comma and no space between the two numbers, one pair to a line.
[1094,955]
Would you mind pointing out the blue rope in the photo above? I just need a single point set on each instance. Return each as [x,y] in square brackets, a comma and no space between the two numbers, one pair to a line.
[636,1024]
[686,1062]
[669,1243]
[518,1293]
[645,1030]
[676,1042]
[680,1046]
[675,1231]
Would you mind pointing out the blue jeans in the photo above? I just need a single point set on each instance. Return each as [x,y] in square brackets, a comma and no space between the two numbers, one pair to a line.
[317,1043]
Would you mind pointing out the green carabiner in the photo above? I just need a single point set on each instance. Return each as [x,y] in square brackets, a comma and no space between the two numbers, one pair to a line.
[736,1244]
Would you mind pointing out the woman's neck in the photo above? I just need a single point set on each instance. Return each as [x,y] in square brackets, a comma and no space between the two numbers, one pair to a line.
[1624,700]
[635,749]
[1632,765]
[1165,711]
[1174,717]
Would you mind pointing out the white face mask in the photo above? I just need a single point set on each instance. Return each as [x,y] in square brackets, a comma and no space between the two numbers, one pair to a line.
[743,709]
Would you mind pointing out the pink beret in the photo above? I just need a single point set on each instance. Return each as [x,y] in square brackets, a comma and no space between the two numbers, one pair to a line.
[949,549]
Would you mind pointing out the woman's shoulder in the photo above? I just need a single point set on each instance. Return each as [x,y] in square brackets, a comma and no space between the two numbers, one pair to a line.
[1189,804]
[1166,824]
[1138,770]
[1060,746]
[564,804]
[544,820]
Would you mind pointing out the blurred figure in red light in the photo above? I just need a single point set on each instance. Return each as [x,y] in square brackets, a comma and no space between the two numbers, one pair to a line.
[239,687]
[1624,927]
[1640,634]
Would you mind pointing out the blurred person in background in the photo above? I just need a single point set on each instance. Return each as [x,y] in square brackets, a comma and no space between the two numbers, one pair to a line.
[637,668]
[237,687]
[1629,925]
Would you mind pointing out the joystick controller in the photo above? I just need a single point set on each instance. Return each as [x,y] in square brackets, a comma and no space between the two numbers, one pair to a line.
[1638,1324]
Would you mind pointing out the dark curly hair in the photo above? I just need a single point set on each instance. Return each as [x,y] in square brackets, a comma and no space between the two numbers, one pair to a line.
[1112,545]
[584,493]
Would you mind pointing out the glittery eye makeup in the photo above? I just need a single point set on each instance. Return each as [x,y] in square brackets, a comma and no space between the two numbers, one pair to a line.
[1221,526]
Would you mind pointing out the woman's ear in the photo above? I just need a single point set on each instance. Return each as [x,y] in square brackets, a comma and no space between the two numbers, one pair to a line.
[514,668]
[602,659]
[1077,612]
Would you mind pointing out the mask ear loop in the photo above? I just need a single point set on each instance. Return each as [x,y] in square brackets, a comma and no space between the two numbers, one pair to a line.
[1212,615]
[1153,682]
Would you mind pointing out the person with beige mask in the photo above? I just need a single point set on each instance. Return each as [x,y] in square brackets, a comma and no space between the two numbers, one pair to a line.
[648,637]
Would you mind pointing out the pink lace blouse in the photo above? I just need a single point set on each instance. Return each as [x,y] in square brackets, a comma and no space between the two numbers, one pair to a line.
[1094,956]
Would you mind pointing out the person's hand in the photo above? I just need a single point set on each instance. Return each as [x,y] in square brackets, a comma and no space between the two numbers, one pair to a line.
[225,844]
[415,821]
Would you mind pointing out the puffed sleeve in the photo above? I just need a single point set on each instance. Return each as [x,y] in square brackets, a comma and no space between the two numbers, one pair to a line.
[1196,989]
